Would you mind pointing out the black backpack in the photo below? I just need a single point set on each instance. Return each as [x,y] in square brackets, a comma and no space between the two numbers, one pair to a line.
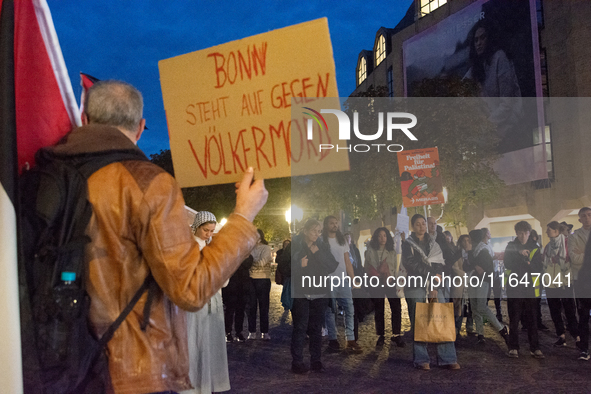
[60,352]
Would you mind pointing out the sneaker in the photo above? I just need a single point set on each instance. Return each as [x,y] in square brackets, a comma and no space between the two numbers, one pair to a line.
[543,327]
[481,340]
[317,367]
[560,342]
[240,337]
[513,353]
[229,338]
[300,369]
[333,346]
[424,367]
[471,332]
[353,347]
[265,336]
[252,335]
[397,339]
[537,354]
[381,341]
[584,356]
[452,366]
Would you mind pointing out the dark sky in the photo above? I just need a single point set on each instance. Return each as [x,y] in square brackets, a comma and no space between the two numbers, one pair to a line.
[124,40]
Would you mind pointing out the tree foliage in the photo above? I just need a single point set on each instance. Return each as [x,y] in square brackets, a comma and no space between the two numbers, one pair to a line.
[450,118]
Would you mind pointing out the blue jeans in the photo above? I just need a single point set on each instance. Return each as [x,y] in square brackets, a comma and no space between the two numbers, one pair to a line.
[344,298]
[479,302]
[443,294]
[446,351]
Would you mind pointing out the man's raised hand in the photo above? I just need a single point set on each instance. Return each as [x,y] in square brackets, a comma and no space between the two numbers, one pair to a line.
[250,196]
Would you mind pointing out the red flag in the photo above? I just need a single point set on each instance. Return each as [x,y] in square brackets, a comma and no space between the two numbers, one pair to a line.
[45,105]
[37,108]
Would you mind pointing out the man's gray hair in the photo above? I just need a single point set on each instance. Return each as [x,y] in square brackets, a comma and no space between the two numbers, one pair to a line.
[114,103]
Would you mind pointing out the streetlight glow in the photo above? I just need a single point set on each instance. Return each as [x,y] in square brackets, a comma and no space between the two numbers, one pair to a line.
[298,213]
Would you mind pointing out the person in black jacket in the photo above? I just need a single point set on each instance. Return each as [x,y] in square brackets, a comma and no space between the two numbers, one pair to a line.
[234,297]
[283,260]
[280,252]
[522,258]
[311,262]
[481,265]
[423,259]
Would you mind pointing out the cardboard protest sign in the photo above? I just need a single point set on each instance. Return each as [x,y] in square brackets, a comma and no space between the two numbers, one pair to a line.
[229,107]
[420,178]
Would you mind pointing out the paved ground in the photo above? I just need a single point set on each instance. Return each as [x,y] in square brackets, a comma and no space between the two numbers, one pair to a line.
[264,366]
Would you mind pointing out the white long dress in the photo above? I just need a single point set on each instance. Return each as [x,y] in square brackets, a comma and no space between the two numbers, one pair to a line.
[208,360]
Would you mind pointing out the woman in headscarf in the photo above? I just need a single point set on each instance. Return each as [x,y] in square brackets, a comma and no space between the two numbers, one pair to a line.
[208,362]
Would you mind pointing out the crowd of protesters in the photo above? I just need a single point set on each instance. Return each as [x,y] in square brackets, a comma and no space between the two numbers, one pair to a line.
[141,228]
[515,274]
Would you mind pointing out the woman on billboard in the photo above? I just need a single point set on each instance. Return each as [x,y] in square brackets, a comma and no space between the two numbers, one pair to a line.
[494,72]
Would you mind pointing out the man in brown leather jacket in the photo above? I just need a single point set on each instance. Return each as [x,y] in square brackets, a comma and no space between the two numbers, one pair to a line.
[139,227]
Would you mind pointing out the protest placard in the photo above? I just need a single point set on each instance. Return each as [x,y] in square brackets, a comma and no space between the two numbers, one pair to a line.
[420,178]
[229,107]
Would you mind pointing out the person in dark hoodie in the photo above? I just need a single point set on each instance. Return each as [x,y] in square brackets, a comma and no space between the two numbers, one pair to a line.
[311,259]
[522,259]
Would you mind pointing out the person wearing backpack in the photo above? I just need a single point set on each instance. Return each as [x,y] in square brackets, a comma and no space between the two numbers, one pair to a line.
[138,229]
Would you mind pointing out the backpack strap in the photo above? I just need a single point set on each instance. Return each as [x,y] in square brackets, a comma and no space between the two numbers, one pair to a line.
[152,286]
[115,325]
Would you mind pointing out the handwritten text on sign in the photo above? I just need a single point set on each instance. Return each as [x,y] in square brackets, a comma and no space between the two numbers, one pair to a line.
[228,107]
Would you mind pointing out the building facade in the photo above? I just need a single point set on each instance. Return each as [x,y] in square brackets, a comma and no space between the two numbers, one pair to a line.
[563,34]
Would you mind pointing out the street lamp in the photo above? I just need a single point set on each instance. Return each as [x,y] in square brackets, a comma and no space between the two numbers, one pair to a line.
[294,212]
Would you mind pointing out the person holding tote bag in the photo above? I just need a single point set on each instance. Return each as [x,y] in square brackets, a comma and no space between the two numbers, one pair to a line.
[422,257]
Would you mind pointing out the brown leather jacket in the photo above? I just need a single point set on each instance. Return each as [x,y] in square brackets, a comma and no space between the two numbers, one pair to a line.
[139,225]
